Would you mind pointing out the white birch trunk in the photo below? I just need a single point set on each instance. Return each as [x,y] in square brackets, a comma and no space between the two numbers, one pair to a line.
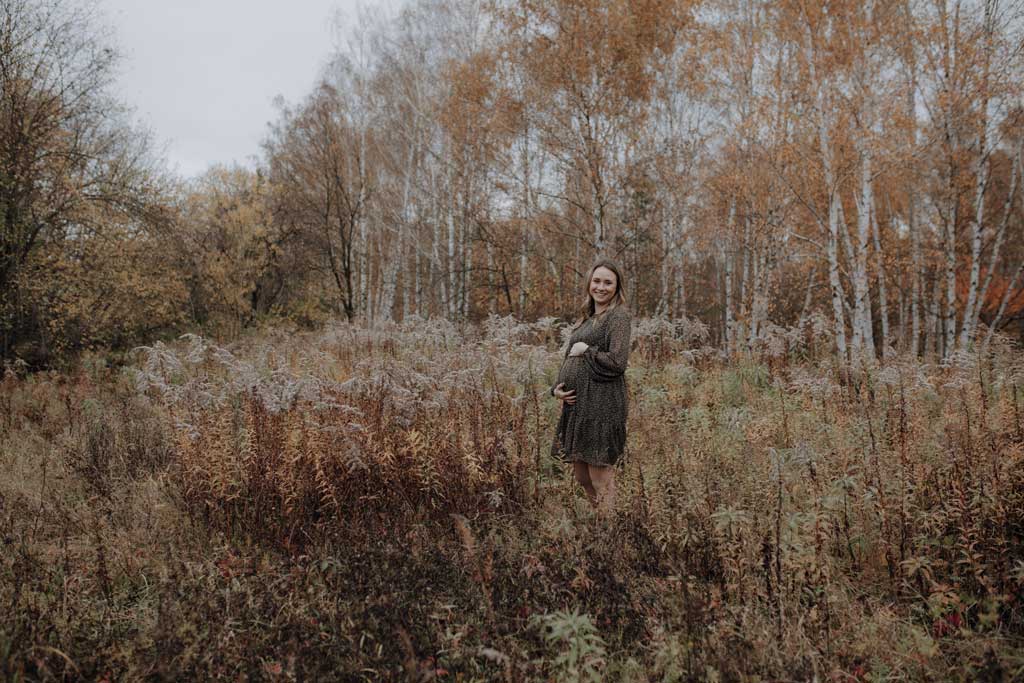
[901,323]
[524,273]
[364,270]
[467,276]
[834,280]
[751,331]
[413,298]
[727,257]
[863,342]
[949,308]
[742,317]
[933,326]
[883,303]
[666,267]
[975,297]
[825,144]
[679,302]
[915,284]
[977,229]
[745,250]
[453,283]
[950,25]
[389,275]
[912,227]
[759,305]
[527,215]
[492,287]
[844,230]
[437,271]
[851,258]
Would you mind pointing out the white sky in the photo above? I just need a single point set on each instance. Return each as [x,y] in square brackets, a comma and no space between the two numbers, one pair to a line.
[203,74]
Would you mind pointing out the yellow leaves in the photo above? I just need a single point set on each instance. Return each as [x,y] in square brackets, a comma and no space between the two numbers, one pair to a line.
[113,289]
[414,444]
[603,55]
[230,243]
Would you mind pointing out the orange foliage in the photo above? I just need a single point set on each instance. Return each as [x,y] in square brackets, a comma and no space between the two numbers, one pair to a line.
[994,297]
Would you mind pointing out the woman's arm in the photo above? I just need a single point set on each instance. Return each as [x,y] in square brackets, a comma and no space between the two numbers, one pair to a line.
[607,365]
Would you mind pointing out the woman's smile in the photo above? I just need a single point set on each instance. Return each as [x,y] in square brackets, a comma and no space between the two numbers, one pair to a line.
[603,284]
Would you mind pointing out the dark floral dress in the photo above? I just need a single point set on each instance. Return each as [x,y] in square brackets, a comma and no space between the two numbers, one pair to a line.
[593,430]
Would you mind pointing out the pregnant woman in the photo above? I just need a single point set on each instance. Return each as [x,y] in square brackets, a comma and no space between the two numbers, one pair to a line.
[591,431]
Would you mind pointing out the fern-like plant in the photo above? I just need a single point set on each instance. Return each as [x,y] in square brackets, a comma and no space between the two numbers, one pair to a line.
[581,649]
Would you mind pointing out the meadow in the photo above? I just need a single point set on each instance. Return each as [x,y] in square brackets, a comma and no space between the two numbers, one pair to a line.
[361,504]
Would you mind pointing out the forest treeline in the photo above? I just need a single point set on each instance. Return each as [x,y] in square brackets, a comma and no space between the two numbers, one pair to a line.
[754,164]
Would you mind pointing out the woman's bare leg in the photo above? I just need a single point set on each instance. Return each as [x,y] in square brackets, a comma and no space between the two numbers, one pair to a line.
[602,480]
[582,472]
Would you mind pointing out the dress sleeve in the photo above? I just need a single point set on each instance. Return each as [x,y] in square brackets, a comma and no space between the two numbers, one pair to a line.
[605,366]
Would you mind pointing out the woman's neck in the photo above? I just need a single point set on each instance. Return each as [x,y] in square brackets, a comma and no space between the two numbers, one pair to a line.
[599,309]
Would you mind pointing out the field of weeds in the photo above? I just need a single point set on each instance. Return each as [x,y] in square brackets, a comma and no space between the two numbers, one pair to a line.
[363,505]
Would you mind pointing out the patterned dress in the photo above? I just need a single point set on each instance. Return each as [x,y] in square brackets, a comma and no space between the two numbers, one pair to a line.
[593,430]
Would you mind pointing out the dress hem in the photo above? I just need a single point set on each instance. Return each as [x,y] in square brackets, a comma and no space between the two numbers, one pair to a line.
[593,464]
[590,461]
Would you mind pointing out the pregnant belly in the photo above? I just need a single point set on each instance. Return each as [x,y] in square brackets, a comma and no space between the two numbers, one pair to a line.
[572,372]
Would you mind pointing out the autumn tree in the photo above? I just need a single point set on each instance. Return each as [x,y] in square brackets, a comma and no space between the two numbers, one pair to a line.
[592,67]
[240,265]
[318,165]
[72,171]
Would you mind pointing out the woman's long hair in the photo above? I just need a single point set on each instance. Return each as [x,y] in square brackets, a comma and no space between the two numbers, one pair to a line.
[619,298]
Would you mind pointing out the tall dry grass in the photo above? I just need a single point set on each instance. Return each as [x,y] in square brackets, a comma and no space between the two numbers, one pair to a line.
[379,504]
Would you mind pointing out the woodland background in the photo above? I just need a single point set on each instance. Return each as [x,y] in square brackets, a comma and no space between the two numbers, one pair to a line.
[292,422]
[754,165]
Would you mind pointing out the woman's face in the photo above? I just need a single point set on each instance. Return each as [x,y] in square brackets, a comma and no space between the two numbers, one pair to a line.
[603,285]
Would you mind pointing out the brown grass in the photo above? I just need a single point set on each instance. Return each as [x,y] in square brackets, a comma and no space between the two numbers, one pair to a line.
[379,505]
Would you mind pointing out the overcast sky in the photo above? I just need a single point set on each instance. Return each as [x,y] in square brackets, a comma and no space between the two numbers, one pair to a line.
[202,74]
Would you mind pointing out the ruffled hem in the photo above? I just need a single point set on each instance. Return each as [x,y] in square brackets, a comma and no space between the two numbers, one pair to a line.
[593,461]
[602,444]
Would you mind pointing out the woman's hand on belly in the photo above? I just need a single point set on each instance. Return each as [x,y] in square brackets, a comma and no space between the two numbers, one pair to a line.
[578,349]
[565,395]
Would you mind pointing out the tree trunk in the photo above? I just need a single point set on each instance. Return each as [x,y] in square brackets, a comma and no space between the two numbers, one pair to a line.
[437,272]
[915,276]
[933,326]
[467,276]
[759,303]
[883,303]
[453,282]
[666,268]
[727,257]
[835,282]
[863,338]
[982,172]
[949,308]
[524,272]
[742,317]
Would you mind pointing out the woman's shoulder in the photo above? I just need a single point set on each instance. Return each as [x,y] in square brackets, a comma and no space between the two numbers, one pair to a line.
[620,313]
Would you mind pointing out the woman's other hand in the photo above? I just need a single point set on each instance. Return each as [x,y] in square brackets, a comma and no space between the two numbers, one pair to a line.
[562,395]
[578,349]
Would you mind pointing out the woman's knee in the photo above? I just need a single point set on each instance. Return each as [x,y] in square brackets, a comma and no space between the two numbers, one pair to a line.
[601,476]
[582,472]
